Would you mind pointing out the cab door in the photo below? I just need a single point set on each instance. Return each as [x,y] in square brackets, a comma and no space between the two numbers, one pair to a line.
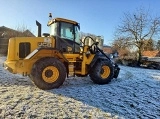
[69,38]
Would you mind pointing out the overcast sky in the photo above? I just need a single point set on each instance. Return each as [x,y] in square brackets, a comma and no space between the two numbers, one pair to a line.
[100,17]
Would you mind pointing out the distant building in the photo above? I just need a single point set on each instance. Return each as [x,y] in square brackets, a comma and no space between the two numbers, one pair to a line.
[110,51]
[107,49]
[6,33]
[154,53]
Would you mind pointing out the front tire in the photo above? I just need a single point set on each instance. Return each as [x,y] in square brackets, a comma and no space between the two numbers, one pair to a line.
[102,72]
[48,73]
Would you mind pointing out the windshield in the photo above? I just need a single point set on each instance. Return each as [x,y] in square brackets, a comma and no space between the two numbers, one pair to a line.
[67,31]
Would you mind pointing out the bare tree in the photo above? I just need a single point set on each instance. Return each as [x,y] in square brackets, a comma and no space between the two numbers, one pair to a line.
[124,49]
[138,27]
[149,45]
[121,43]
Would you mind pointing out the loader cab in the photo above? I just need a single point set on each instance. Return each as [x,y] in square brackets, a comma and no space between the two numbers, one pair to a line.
[66,34]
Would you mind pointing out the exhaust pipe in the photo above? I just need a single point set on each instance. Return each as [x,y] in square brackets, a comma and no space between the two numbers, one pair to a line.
[39,28]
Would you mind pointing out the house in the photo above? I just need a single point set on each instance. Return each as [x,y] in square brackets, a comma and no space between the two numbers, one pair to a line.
[151,59]
[6,33]
[110,51]
[154,53]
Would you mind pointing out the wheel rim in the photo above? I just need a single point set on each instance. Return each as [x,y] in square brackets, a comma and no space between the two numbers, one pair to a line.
[105,72]
[50,74]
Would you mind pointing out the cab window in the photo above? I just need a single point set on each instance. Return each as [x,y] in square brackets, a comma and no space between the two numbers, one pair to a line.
[67,31]
[53,29]
[77,37]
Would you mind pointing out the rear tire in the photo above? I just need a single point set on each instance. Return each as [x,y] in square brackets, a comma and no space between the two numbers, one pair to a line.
[102,72]
[48,73]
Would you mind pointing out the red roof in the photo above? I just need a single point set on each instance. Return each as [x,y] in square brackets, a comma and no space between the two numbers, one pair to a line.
[107,49]
[154,53]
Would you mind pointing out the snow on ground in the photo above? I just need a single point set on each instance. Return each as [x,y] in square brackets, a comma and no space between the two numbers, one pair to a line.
[134,94]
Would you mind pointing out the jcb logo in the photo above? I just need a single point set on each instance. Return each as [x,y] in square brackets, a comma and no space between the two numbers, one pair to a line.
[44,44]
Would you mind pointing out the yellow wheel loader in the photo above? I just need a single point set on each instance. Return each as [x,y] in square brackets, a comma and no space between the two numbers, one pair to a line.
[50,58]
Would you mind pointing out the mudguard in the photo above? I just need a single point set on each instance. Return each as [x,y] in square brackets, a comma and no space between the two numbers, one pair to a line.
[102,56]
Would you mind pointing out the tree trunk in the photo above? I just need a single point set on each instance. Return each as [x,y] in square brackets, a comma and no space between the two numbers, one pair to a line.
[139,57]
